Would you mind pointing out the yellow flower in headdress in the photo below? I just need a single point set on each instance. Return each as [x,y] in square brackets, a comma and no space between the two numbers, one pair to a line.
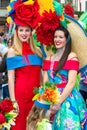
[29,2]
[45,5]
[9,19]
[11,0]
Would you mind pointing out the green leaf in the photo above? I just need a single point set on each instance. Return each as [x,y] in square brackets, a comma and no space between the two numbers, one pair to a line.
[77,81]
[58,7]
[36,90]
[35,40]
[48,48]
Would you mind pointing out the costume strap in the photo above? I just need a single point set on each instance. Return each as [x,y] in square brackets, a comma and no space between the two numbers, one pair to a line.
[18,61]
[73,58]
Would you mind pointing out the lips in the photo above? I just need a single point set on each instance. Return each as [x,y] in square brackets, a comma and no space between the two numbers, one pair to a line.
[24,37]
[57,43]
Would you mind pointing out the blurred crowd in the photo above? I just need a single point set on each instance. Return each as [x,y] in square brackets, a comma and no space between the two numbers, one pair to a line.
[5,43]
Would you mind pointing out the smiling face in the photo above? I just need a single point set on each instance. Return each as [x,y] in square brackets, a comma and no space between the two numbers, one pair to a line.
[24,33]
[59,39]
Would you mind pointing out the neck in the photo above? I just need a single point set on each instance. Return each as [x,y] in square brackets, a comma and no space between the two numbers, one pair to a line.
[60,50]
[59,54]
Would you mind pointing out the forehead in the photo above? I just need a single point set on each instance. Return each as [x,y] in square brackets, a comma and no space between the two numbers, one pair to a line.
[23,27]
[59,32]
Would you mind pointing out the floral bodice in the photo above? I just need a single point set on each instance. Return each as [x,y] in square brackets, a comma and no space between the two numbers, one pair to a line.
[61,77]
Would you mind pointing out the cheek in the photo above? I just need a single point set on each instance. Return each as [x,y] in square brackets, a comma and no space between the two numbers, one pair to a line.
[29,34]
[18,33]
[64,41]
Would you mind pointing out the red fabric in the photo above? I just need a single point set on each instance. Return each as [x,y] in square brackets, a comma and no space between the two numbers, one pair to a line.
[49,22]
[61,85]
[69,65]
[26,14]
[26,79]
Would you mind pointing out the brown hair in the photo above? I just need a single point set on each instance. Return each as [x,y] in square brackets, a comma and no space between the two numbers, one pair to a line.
[67,48]
[36,114]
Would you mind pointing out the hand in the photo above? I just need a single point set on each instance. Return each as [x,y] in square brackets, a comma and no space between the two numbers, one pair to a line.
[16,107]
[54,109]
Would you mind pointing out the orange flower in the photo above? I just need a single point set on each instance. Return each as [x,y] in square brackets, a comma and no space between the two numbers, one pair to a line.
[51,95]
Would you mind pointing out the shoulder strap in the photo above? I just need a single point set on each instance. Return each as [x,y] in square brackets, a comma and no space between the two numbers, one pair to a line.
[73,58]
[50,57]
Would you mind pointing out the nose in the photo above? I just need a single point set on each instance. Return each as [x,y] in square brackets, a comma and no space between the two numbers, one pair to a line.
[24,32]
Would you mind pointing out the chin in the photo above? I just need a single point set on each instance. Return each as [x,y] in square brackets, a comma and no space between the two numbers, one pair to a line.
[24,40]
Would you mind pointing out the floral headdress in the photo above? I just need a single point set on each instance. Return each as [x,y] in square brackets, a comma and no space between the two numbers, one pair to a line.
[24,12]
[46,95]
[52,13]
[52,18]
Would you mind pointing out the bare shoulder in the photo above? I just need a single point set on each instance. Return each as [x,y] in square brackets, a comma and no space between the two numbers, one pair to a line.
[11,52]
[73,56]
[48,57]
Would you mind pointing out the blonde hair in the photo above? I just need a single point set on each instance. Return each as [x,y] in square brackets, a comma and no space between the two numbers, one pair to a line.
[36,114]
[17,46]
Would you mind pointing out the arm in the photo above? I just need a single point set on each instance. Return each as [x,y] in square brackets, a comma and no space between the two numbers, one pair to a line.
[11,77]
[68,88]
[11,83]
[71,82]
[72,75]
[45,77]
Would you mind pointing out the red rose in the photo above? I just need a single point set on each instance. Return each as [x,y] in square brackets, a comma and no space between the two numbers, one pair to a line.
[6,105]
[2,119]
[26,15]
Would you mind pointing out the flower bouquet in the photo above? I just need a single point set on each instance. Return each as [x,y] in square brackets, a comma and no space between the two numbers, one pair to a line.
[7,114]
[47,93]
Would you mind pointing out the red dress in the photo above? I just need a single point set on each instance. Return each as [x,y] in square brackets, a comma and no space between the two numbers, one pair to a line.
[27,78]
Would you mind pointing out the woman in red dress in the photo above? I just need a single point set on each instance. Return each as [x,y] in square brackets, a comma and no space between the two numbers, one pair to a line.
[24,63]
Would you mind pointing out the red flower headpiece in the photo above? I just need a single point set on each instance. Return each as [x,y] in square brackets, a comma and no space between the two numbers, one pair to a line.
[25,14]
[49,22]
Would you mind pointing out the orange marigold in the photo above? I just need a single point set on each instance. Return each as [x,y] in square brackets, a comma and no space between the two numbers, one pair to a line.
[51,95]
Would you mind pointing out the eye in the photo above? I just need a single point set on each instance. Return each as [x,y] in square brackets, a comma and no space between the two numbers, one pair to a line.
[27,30]
[21,30]
[55,36]
[61,37]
